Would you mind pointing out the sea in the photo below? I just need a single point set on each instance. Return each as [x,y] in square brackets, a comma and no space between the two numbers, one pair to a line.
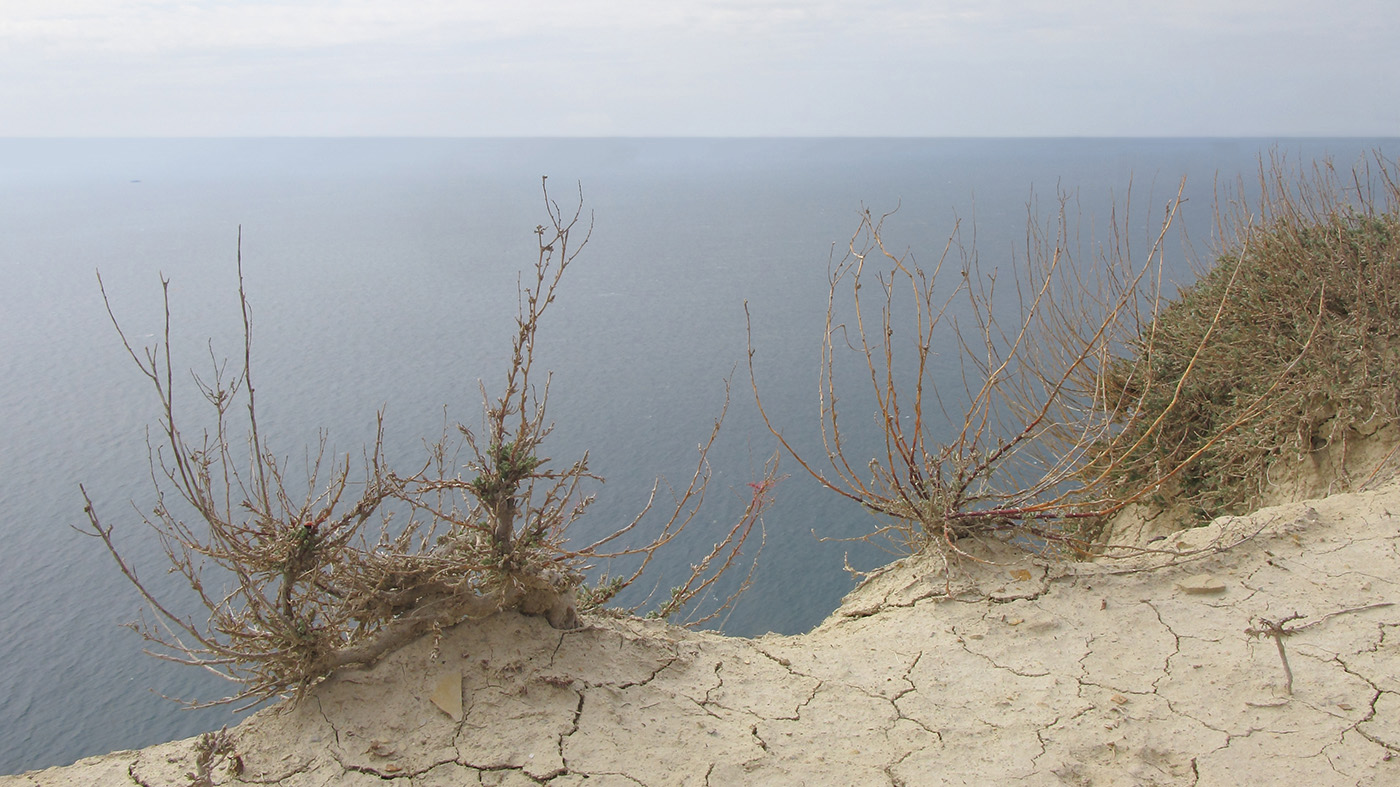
[383,275]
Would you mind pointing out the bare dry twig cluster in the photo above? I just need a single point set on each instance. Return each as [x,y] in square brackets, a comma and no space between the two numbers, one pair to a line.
[302,577]
[1082,385]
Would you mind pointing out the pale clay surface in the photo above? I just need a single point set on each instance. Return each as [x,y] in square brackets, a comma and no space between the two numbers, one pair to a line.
[1027,674]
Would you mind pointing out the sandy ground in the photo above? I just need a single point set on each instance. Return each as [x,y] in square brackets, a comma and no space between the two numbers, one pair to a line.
[1132,672]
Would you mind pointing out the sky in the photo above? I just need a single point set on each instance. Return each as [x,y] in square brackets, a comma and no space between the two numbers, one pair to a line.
[552,68]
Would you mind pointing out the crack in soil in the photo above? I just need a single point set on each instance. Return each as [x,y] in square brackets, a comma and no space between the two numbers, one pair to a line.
[762,744]
[895,781]
[1176,650]
[405,774]
[321,709]
[899,712]
[648,679]
[508,769]
[905,677]
[1371,710]
[1044,748]
[578,714]
[992,662]
[719,665]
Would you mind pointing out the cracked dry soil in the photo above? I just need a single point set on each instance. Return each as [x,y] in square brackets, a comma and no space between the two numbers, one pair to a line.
[1014,672]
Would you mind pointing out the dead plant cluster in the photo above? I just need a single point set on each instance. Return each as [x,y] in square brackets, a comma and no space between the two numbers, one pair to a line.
[1087,386]
[303,573]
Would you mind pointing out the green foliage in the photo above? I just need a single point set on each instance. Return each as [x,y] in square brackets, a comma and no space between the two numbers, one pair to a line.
[591,597]
[508,466]
[1288,344]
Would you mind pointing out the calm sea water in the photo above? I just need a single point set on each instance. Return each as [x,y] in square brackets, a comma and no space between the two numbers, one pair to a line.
[382,274]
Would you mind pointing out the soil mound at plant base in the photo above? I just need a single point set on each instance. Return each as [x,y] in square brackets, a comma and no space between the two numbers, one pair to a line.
[1127,672]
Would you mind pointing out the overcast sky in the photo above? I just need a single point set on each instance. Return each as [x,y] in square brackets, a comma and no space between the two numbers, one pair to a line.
[699,68]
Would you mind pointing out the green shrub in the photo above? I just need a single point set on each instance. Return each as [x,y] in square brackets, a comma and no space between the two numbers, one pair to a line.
[1302,310]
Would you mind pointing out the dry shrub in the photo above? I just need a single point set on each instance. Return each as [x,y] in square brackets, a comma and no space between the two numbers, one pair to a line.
[1031,416]
[305,573]
[1084,387]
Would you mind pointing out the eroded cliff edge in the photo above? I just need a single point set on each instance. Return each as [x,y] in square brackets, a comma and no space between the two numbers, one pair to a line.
[1016,671]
